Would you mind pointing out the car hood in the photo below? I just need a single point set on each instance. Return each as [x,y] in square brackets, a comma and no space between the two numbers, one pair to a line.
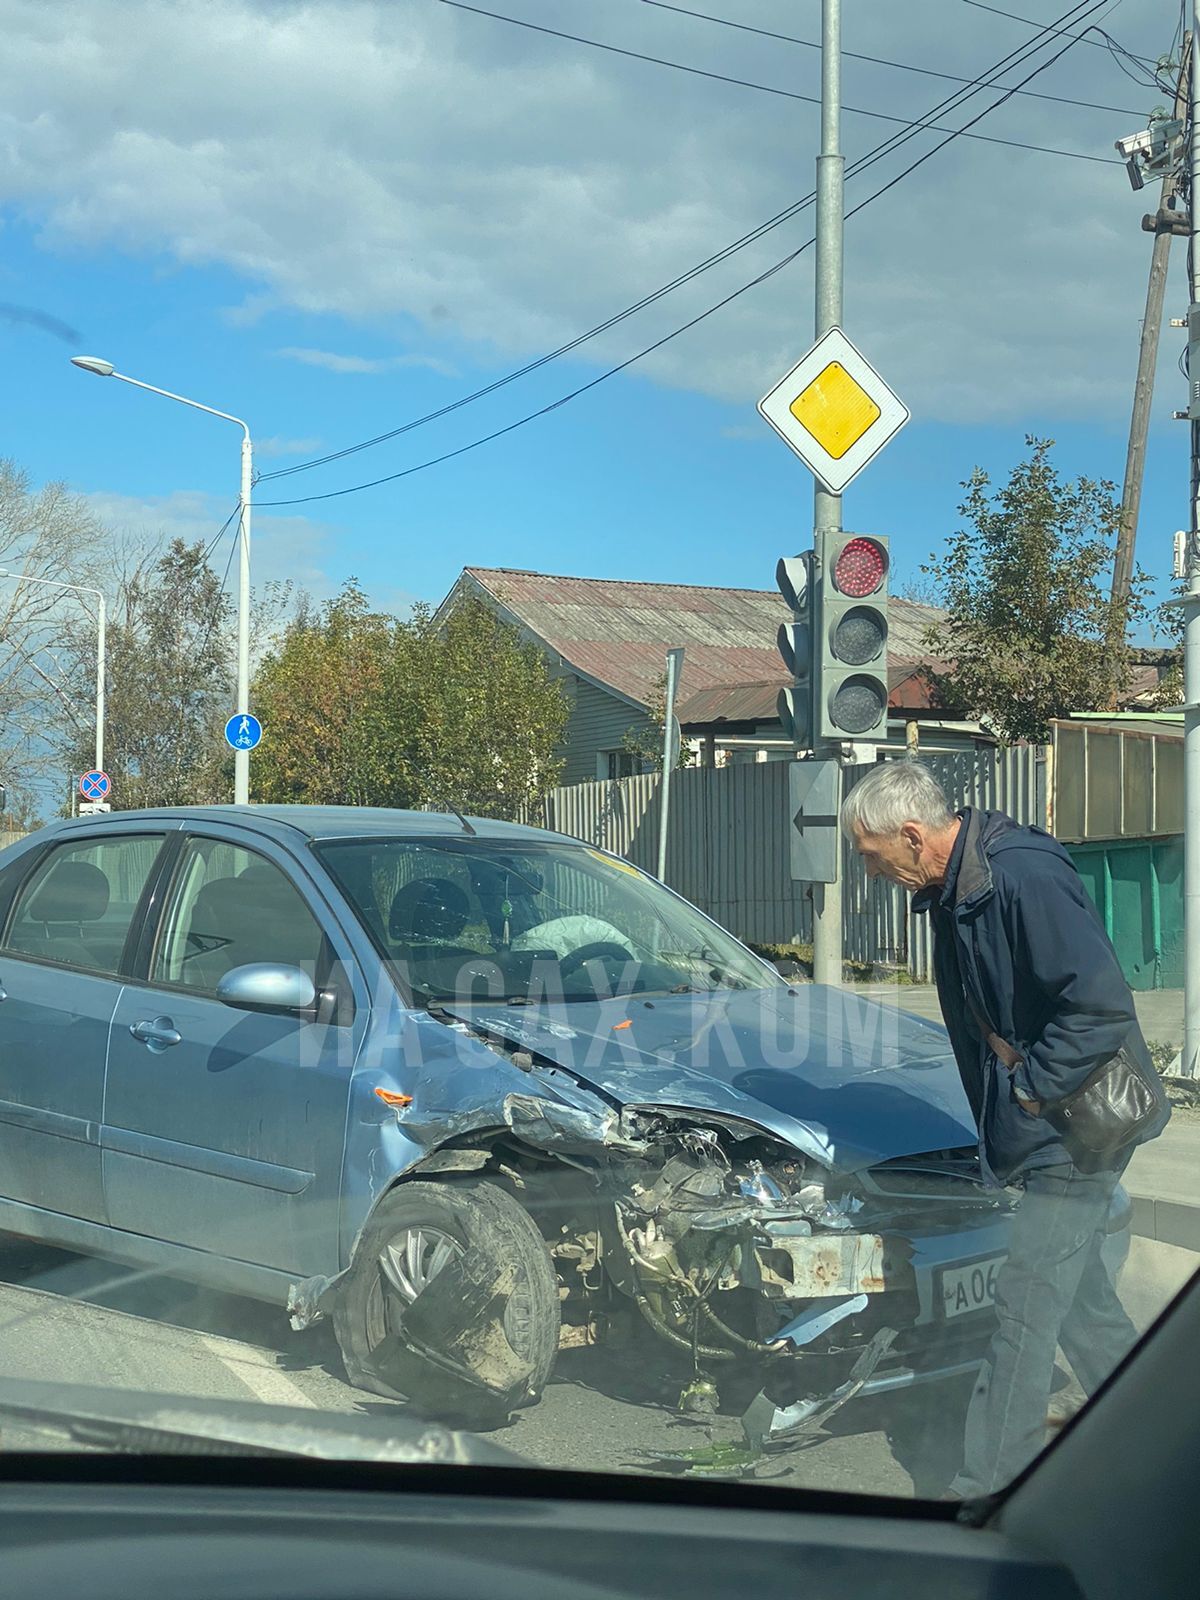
[845,1080]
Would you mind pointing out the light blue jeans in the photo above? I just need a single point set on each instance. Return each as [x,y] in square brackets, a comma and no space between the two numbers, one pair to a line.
[1054,1289]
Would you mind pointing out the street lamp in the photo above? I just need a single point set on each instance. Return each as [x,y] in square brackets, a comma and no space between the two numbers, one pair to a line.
[81,588]
[241,758]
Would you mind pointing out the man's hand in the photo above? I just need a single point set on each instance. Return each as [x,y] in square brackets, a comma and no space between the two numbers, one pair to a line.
[1033,1107]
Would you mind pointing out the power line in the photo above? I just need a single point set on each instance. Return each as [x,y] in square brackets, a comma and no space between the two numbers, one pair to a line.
[649,299]
[702,316]
[955,101]
[878,61]
[1145,74]
[220,533]
[764,88]
[217,616]
[1031,22]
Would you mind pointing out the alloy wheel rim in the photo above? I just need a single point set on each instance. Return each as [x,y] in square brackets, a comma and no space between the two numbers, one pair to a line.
[409,1262]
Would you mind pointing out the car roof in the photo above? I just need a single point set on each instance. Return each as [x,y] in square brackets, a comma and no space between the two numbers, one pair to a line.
[339,822]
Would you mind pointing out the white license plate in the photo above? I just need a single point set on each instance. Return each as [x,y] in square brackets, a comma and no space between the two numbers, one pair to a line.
[970,1288]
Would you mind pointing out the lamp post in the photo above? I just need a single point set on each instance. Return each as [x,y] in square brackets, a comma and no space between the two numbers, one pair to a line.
[80,588]
[241,758]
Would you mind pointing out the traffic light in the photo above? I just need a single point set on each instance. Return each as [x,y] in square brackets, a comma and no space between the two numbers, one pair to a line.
[794,575]
[852,697]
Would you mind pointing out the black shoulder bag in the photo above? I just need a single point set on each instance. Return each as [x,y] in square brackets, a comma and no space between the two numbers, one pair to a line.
[1111,1109]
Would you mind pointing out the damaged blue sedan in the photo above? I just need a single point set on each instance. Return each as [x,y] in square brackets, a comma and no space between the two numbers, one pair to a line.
[478,1092]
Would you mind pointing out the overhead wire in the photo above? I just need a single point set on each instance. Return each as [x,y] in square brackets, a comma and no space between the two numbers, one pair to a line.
[1032,22]
[220,533]
[1145,77]
[693,322]
[960,97]
[617,317]
[878,61]
[763,88]
[198,650]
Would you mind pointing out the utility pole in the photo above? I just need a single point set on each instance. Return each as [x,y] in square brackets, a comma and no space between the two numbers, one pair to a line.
[827,507]
[1166,223]
[1191,626]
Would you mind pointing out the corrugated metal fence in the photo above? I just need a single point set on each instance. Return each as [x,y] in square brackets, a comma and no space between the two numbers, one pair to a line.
[728,846]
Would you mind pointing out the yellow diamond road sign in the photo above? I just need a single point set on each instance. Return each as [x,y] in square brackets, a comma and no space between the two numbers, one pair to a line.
[834,410]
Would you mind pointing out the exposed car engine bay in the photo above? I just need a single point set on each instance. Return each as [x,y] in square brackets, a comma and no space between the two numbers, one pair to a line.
[739,1253]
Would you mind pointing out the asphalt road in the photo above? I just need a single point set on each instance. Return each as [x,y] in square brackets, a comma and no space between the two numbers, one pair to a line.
[70,1318]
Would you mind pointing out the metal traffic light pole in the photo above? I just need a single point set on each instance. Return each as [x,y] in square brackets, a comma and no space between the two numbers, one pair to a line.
[827,507]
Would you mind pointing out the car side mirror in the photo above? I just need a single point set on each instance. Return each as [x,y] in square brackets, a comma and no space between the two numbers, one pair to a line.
[267,986]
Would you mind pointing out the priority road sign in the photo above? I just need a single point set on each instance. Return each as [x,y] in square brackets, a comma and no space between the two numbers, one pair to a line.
[95,785]
[834,410]
[813,804]
[242,731]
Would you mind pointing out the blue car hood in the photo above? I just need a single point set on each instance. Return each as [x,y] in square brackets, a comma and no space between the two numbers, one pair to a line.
[845,1080]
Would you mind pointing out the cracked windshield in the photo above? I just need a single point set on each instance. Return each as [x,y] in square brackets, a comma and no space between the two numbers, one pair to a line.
[599,762]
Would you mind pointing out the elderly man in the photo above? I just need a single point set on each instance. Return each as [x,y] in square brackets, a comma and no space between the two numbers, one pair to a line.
[1035,1001]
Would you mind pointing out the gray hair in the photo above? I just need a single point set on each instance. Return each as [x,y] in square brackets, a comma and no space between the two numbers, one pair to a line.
[891,794]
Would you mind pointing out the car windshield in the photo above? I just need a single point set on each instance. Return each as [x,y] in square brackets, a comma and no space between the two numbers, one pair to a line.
[536,922]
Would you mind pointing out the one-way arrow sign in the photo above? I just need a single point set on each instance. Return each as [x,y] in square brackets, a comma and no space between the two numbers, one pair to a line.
[813,802]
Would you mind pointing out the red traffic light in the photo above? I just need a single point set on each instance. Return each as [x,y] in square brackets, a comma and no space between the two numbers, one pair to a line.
[860,568]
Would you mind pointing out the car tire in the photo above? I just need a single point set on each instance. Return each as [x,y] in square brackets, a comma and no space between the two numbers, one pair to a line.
[417,1231]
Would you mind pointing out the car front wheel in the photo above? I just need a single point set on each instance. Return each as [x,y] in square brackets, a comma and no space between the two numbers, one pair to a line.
[451,1304]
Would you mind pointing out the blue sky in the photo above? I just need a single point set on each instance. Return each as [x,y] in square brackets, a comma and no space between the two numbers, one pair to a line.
[998,291]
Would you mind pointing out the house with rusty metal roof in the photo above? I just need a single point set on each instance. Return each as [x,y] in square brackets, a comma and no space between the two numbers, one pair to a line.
[607,642]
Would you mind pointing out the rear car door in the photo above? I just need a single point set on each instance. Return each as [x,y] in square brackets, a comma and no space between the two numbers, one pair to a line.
[62,950]
[225,1128]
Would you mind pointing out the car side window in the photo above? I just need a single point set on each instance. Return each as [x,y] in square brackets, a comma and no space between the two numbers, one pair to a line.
[229,907]
[77,906]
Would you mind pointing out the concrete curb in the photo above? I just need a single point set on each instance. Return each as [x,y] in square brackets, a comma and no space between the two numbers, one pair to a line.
[1167,1221]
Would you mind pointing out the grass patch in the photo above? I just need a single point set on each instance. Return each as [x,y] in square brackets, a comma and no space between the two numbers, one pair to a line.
[1163,1055]
[852,971]
[1183,1093]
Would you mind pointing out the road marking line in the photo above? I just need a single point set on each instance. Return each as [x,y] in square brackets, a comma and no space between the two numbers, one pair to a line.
[256,1370]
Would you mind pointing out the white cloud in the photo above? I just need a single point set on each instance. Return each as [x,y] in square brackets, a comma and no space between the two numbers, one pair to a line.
[332,362]
[274,447]
[282,547]
[417,166]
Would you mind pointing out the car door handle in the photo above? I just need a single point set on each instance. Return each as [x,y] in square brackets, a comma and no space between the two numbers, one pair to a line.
[160,1034]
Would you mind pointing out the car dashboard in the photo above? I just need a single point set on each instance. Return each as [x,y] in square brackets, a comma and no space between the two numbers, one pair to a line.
[462,1534]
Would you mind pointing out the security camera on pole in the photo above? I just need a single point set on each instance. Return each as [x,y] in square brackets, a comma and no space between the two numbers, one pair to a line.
[835,411]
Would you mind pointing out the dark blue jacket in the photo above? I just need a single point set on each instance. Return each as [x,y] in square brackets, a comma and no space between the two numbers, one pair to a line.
[1016,933]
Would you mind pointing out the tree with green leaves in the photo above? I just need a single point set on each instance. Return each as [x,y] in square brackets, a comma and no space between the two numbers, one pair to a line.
[169,684]
[326,698]
[1029,627]
[361,708]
